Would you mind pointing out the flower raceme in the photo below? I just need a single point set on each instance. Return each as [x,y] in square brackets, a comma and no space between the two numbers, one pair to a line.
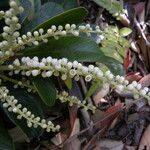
[47,67]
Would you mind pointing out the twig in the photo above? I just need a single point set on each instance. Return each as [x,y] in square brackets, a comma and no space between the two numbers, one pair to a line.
[141,32]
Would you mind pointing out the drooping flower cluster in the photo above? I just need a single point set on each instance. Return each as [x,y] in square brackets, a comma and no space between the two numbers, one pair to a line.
[64,97]
[57,67]
[66,69]
[46,67]
[10,33]
[13,42]
[12,105]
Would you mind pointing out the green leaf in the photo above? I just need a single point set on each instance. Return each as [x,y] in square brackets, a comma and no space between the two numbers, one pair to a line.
[73,48]
[68,83]
[5,140]
[37,5]
[46,89]
[125,31]
[71,16]
[27,10]
[111,52]
[113,65]
[92,89]
[113,6]
[66,4]
[31,103]
[47,11]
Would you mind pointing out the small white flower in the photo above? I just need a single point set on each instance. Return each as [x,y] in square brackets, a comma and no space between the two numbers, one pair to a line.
[75,64]
[16,62]
[28,73]
[72,72]
[99,74]
[120,88]
[29,34]
[64,77]
[67,26]
[49,59]
[13,4]
[69,65]
[88,78]
[143,92]
[41,65]
[41,31]
[53,27]
[64,61]
[35,72]
[96,69]
[49,31]
[63,33]
[139,86]
[75,33]
[48,73]
[91,67]
[130,87]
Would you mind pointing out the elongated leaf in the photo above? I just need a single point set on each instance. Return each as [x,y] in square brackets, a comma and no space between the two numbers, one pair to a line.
[92,89]
[37,5]
[47,11]
[5,140]
[113,65]
[32,104]
[125,31]
[46,89]
[70,16]
[26,4]
[113,6]
[66,4]
[68,83]
[73,48]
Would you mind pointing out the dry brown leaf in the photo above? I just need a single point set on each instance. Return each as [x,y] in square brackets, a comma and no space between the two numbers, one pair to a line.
[17,135]
[145,140]
[133,76]
[74,144]
[76,127]
[130,147]
[57,139]
[110,144]
[145,81]
[72,115]
[100,94]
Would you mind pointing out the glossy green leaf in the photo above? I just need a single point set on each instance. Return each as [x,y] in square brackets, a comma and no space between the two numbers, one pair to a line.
[26,4]
[31,103]
[46,89]
[47,11]
[92,89]
[111,52]
[70,16]
[125,31]
[113,65]
[36,5]
[68,83]
[66,4]
[113,6]
[6,142]
[73,48]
